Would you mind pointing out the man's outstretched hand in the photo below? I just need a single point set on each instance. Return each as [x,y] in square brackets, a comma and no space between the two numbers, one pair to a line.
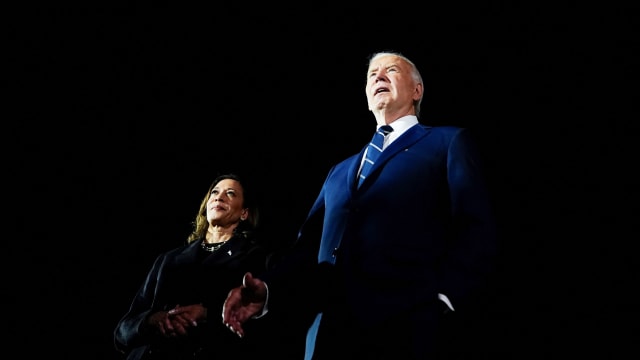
[244,302]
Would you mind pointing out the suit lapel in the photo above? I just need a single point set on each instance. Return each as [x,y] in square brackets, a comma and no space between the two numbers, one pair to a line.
[188,254]
[352,176]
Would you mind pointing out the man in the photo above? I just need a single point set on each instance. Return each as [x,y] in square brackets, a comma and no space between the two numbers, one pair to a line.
[381,262]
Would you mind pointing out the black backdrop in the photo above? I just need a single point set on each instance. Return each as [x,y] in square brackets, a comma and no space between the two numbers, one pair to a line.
[120,117]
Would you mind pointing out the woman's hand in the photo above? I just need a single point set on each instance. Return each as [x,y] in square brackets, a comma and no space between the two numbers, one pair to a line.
[178,321]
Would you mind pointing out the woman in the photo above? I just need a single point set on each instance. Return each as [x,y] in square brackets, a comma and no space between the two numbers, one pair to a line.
[176,313]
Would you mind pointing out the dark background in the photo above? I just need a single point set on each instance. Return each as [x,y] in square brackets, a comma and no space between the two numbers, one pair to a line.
[118,118]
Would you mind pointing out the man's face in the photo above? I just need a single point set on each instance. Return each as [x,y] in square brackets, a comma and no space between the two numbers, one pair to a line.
[390,84]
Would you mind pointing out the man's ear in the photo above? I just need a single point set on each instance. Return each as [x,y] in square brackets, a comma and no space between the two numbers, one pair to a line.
[417,93]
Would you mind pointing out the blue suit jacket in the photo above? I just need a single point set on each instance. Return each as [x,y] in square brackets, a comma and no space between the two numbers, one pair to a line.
[420,224]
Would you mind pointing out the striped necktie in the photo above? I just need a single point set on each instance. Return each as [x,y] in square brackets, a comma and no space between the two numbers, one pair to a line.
[373,151]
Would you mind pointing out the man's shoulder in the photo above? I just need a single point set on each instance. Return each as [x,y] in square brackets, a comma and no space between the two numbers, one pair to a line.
[445,129]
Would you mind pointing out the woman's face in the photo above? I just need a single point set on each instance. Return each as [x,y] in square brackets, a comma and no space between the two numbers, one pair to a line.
[225,204]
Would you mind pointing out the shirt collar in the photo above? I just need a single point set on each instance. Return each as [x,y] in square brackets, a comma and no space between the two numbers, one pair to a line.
[399,127]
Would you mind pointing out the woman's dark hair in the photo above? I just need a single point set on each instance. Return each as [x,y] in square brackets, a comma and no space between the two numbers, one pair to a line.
[246,227]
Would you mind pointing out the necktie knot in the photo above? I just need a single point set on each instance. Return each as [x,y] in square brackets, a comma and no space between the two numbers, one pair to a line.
[373,150]
[386,129]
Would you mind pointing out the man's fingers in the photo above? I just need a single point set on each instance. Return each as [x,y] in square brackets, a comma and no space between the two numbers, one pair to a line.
[237,332]
[247,279]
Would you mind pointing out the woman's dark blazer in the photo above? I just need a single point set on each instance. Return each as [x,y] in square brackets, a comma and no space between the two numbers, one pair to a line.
[184,276]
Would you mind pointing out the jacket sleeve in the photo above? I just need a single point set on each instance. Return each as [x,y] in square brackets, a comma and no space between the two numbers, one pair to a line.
[296,276]
[474,248]
[130,331]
